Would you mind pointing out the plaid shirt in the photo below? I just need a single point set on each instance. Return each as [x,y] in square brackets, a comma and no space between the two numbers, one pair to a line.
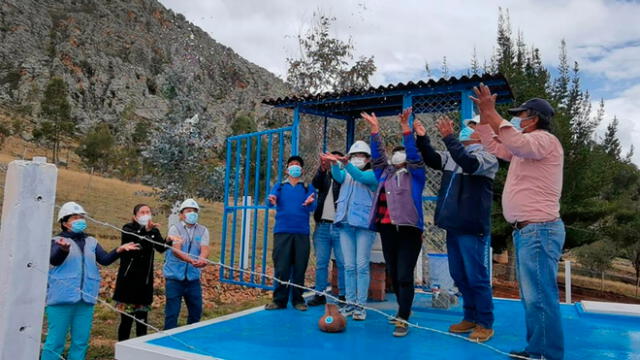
[382,212]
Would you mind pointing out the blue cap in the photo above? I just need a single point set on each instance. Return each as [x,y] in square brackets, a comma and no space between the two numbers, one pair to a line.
[538,105]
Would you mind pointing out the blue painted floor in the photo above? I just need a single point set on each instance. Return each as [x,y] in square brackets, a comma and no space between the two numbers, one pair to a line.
[290,334]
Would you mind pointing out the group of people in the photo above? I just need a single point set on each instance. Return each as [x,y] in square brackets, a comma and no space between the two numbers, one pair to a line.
[74,276]
[352,197]
[368,192]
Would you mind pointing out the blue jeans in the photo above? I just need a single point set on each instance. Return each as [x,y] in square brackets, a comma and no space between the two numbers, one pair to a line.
[356,246]
[325,238]
[60,318]
[175,291]
[538,250]
[468,257]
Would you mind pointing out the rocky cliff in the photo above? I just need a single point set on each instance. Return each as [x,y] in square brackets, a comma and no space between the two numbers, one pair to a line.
[125,60]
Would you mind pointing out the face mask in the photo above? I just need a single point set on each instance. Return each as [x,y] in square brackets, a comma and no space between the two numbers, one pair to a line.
[295,171]
[358,162]
[79,225]
[191,218]
[517,123]
[465,134]
[143,220]
[399,157]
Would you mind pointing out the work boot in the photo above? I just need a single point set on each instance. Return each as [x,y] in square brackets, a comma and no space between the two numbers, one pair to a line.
[462,327]
[274,306]
[317,300]
[481,334]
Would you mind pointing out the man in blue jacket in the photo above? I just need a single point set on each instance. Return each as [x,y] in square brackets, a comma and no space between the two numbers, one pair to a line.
[464,211]
[294,201]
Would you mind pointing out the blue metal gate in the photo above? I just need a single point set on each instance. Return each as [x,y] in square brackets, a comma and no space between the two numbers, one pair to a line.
[255,161]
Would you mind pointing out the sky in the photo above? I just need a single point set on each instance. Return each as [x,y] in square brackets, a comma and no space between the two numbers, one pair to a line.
[403,35]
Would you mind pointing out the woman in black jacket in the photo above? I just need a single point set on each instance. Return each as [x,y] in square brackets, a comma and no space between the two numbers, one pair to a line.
[134,285]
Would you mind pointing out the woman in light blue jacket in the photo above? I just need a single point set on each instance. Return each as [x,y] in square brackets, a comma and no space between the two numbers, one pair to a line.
[74,283]
[352,219]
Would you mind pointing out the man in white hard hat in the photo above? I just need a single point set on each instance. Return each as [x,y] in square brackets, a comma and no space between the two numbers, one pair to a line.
[472,122]
[183,264]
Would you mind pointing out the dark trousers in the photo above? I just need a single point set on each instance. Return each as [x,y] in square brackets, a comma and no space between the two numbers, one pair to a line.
[126,322]
[176,290]
[290,259]
[401,247]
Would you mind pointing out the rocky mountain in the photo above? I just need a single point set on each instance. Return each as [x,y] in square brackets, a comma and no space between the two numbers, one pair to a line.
[126,60]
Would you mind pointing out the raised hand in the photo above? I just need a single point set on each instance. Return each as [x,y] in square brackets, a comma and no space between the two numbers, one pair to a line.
[64,244]
[419,128]
[273,200]
[128,247]
[152,225]
[484,99]
[404,119]
[372,120]
[445,126]
[309,200]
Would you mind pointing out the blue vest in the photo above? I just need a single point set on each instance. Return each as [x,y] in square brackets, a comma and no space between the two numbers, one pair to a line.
[177,269]
[78,271]
[354,203]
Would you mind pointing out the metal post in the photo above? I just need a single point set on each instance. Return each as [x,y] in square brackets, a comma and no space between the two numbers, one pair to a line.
[351,133]
[567,281]
[324,135]
[246,231]
[25,240]
[466,106]
[295,130]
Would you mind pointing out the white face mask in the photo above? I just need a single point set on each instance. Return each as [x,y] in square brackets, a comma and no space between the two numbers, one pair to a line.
[143,220]
[358,162]
[399,157]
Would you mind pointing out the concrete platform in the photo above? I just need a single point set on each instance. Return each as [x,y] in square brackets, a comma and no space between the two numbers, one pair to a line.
[290,334]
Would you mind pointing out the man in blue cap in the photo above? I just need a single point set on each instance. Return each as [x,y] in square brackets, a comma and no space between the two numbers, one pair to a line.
[464,210]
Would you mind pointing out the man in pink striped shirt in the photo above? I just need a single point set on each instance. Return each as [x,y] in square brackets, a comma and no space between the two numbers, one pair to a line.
[531,203]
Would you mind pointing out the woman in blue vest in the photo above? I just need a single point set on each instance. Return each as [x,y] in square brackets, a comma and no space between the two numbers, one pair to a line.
[74,283]
[352,219]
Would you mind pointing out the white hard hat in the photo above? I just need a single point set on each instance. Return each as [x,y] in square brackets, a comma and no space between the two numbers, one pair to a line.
[475,119]
[360,147]
[189,203]
[70,208]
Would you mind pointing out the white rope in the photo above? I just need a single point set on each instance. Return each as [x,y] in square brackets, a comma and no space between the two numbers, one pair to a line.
[324,293]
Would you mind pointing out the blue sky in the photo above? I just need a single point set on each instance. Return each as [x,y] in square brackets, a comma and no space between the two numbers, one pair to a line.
[603,36]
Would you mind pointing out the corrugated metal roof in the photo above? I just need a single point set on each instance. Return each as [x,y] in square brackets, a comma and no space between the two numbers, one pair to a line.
[291,101]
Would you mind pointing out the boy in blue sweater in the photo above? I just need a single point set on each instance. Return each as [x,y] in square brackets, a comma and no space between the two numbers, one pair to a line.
[294,201]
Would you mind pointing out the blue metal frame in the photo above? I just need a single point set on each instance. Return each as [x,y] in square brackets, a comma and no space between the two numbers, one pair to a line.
[235,154]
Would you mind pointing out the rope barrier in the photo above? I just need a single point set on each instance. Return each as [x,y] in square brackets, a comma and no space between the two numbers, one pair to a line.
[324,293]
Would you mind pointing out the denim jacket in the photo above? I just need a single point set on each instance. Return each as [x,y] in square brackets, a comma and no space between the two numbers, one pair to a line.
[403,187]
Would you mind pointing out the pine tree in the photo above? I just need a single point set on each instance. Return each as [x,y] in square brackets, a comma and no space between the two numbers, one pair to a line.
[56,111]
[475,65]
[444,68]
[611,142]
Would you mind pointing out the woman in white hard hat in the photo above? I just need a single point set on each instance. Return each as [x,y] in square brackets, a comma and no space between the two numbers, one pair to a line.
[134,284]
[74,283]
[183,264]
[352,219]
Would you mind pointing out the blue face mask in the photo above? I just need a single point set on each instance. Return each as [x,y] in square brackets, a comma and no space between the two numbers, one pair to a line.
[465,134]
[191,218]
[79,225]
[516,121]
[295,171]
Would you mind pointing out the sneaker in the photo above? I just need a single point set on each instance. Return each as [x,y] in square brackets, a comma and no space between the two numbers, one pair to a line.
[347,310]
[359,314]
[523,355]
[401,329]
[317,300]
[301,307]
[392,321]
[462,327]
[273,306]
[481,334]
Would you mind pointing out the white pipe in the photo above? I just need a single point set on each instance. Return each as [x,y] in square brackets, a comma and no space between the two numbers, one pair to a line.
[567,281]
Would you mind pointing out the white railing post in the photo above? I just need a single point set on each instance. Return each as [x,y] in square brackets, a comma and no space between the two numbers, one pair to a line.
[567,281]
[25,242]
[246,232]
